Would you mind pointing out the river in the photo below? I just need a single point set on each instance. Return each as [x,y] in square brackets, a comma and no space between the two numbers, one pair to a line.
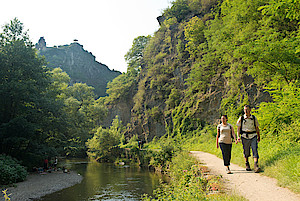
[104,181]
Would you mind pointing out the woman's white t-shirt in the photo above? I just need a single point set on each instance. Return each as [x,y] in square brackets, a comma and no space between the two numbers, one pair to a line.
[225,133]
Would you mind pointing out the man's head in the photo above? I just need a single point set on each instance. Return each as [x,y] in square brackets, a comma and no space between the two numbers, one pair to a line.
[247,110]
[224,118]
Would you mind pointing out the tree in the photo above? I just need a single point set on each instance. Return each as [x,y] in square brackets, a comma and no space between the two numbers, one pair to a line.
[179,10]
[83,115]
[120,87]
[279,118]
[14,31]
[25,112]
[104,144]
[135,55]
[78,99]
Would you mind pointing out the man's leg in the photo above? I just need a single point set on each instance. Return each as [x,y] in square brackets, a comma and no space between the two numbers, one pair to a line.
[254,146]
[247,164]
[246,146]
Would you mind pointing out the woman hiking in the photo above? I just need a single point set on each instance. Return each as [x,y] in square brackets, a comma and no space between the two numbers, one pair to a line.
[225,132]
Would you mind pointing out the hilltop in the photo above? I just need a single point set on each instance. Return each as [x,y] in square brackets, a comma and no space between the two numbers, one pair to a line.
[79,64]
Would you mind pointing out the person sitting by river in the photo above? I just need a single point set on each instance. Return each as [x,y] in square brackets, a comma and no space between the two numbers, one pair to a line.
[55,164]
[46,164]
[65,170]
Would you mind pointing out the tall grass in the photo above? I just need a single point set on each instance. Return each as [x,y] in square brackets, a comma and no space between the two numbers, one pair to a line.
[190,182]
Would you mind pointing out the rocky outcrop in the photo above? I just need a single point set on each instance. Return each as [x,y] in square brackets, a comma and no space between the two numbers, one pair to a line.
[79,64]
[41,45]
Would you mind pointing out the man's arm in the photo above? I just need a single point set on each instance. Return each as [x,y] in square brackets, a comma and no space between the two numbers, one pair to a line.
[257,132]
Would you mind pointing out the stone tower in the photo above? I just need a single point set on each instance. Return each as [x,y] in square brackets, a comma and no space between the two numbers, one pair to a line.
[41,45]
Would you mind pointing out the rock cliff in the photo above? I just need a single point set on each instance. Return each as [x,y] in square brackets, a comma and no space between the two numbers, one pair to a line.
[79,64]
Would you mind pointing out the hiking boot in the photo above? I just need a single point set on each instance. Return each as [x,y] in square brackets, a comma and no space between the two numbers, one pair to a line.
[248,166]
[228,170]
[256,168]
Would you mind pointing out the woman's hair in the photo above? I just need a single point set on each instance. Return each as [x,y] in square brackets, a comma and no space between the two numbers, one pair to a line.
[224,116]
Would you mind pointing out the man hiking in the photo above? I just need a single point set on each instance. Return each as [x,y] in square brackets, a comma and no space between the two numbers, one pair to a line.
[248,131]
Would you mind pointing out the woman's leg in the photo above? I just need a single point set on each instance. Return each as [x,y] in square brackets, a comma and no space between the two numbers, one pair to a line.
[226,153]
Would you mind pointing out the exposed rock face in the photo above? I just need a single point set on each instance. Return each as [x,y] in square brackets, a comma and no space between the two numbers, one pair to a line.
[121,108]
[207,110]
[79,64]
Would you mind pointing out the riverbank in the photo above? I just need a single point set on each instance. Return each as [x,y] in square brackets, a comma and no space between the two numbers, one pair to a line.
[37,185]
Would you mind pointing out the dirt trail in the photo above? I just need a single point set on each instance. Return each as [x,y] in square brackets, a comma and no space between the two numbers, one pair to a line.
[252,186]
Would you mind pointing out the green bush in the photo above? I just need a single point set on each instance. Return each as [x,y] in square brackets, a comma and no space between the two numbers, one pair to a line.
[11,170]
[163,156]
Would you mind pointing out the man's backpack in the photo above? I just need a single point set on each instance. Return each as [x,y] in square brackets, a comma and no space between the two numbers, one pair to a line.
[241,128]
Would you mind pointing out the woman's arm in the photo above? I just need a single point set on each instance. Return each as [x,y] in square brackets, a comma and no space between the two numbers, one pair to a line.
[233,134]
[217,137]
[238,133]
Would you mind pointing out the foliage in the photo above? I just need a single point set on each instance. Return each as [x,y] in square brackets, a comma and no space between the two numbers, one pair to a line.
[135,55]
[195,36]
[26,106]
[178,10]
[278,118]
[41,115]
[81,113]
[189,183]
[161,159]
[14,31]
[120,88]
[11,170]
[104,145]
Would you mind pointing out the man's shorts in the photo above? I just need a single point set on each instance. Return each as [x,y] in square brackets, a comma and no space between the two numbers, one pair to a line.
[247,143]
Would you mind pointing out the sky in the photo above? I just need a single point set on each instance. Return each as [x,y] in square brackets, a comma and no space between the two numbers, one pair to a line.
[106,28]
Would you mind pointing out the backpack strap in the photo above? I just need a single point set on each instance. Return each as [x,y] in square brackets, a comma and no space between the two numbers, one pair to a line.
[231,131]
[254,121]
[241,128]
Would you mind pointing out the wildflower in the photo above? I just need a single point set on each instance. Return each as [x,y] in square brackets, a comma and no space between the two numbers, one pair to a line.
[7,198]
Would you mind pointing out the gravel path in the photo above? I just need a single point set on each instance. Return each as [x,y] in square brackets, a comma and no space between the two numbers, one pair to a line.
[37,185]
[252,186]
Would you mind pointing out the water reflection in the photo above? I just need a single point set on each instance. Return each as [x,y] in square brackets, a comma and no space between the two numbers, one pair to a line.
[107,182]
